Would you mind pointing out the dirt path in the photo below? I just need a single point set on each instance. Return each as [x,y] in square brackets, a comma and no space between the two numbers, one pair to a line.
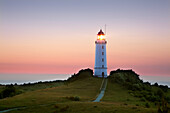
[100,96]
[102,90]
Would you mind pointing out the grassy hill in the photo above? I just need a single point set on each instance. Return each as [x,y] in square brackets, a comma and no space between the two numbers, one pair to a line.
[125,87]
[125,93]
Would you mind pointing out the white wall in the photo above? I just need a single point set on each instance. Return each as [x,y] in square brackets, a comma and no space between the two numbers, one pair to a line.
[98,59]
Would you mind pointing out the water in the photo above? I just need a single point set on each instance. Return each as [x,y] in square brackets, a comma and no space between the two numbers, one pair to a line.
[26,78]
[161,80]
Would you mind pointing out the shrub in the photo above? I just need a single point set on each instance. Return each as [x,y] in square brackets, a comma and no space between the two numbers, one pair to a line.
[160,93]
[8,91]
[156,84]
[1,95]
[128,99]
[167,98]
[142,99]
[76,98]
[153,98]
[136,87]
[164,88]
[146,87]
[84,73]
[95,106]
[64,108]
[163,108]
[147,105]
[125,104]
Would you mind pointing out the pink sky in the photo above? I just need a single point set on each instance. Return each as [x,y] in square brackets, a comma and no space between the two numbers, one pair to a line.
[43,38]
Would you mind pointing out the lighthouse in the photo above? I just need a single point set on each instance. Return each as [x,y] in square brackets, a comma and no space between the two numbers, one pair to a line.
[100,68]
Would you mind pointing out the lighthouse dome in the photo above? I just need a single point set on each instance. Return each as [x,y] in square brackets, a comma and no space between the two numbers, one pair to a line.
[100,32]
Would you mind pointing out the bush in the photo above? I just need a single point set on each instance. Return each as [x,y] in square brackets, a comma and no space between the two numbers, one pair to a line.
[142,99]
[153,98]
[164,88]
[156,84]
[146,87]
[8,91]
[147,105]
[136,87]
[167,98]
[163,107]
[76,98]
[1,95]
[84,73]
[160,93]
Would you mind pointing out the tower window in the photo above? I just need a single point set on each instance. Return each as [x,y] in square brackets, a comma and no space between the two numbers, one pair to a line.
[102,59]
[102,47]
[102,53]
[102,66]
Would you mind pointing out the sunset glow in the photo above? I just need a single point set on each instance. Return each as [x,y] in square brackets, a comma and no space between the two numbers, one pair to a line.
[58,36]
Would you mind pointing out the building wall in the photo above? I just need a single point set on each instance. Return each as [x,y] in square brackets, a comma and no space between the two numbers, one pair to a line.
[100,65]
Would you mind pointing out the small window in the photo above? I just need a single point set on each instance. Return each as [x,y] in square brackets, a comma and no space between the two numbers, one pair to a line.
[102,53]
[102,47]
[102,66]
[102,59]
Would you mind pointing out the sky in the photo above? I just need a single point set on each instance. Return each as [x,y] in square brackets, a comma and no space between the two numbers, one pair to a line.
[58,36]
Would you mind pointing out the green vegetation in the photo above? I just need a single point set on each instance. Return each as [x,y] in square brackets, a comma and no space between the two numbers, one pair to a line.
[125,86]
[144,90]
[125,93]
[8,91]
[83,90]
[12,90]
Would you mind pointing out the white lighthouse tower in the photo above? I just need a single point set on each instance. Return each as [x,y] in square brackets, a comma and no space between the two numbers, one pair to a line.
[100,68]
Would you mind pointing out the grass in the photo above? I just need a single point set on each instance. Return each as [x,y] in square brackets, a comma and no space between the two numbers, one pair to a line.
[86,89]
[35,86]
[85,107]
[61,98]
[117,94]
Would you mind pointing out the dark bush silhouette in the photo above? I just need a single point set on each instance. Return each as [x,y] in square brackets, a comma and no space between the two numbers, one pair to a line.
[156,84]
[160,93]
[8,91]
[147,105]
[124,76]
[164,88]
[76,98]
[84,73]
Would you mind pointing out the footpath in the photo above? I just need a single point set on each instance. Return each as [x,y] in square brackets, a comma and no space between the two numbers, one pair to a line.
[102,90]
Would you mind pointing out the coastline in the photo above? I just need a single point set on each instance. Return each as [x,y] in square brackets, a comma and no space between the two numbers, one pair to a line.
[33,78]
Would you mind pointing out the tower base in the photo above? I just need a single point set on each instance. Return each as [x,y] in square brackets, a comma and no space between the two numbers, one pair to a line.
[99,72]
[105,76]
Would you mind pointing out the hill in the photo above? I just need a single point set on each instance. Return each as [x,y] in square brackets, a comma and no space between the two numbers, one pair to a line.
[125,93]
[124,86]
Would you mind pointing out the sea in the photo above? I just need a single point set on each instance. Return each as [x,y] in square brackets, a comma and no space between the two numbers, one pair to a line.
[32,78]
